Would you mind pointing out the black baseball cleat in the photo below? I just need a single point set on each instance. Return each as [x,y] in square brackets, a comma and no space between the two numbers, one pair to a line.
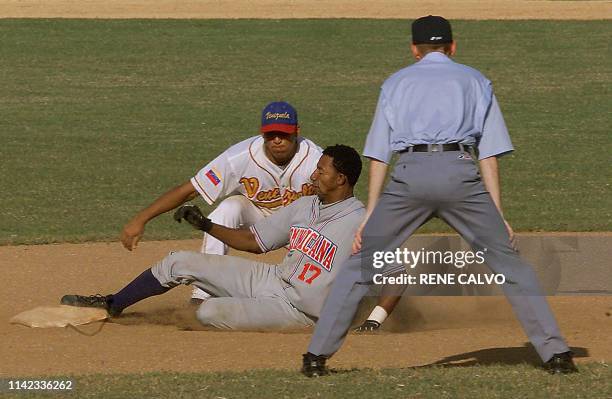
[314,365]
[92,301]
[368,326]
[561,363]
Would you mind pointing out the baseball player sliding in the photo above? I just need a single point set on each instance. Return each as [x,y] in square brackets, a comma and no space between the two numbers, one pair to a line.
[252,179]
[250,295]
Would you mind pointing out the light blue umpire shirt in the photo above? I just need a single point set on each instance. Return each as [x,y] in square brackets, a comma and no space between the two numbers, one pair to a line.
[437,101]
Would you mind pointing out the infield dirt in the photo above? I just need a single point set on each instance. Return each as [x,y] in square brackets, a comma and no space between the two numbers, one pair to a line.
[462,9]
[161,333]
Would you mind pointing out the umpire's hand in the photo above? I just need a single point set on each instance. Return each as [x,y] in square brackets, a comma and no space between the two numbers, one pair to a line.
[193,216]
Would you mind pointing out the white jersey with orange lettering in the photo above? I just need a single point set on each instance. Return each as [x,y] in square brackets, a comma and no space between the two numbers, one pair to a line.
[244,169]
[251,187]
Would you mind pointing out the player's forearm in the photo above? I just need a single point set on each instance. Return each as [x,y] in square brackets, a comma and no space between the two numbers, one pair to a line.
[240,239]
[167,201]
[489,168]
[378,172]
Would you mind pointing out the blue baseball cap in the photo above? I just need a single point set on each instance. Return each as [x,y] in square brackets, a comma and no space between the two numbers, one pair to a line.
[279,116]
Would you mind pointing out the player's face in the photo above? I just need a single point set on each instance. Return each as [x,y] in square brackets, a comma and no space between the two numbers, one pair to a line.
[325,178]
[280,147]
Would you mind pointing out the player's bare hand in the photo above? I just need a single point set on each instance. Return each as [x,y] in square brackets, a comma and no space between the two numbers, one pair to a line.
[357,240]
[131,234]
[513,240]
[367,326]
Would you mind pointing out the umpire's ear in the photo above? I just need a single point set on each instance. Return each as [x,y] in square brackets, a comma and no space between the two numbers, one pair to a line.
[453,48]
[415,52]
[341,180]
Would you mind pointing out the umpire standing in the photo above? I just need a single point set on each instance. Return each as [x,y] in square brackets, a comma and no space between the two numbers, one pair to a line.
[436,113]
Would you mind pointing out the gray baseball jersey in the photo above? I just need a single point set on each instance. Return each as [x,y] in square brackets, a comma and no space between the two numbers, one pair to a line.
[251,295]
[319,238]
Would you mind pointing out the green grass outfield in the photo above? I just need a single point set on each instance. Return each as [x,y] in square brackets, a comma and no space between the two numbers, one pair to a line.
[495,381]
[99,117]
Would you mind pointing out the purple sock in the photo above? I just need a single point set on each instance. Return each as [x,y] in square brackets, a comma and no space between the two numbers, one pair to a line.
[141,287]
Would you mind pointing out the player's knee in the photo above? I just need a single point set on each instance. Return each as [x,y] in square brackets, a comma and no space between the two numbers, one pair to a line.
[211,315]
[177,263]
[168,268]
[229,211]
[175,257]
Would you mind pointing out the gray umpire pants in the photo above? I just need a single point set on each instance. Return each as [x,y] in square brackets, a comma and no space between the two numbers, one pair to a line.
[445,185]
[247,295]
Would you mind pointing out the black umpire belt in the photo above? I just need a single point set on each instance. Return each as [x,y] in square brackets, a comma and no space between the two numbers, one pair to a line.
[438,148]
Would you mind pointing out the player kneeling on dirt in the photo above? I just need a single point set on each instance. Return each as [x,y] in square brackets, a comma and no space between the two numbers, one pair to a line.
[251,295]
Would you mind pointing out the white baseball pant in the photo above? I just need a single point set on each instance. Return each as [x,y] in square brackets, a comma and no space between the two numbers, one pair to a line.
[233,212]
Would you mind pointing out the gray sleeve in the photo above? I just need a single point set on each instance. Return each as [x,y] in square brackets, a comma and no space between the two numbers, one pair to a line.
[272,232]
[495,140]
[377,144]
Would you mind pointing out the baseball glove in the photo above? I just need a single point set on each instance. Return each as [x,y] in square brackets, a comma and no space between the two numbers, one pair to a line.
[367,326]
[193,216]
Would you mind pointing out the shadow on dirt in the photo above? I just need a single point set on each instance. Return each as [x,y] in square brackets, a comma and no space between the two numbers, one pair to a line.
[505,356]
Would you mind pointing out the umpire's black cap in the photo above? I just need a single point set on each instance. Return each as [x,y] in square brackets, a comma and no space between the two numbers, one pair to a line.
[431,29]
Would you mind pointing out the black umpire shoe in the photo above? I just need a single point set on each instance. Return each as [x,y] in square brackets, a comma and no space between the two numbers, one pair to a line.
[92,301]
[314,365]
[561,363]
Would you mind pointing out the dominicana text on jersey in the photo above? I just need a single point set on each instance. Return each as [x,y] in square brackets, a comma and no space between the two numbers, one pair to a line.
[320,238]
[314,245]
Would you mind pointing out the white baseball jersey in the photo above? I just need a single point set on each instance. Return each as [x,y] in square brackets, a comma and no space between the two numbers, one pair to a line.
[320,239]
[244,169]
